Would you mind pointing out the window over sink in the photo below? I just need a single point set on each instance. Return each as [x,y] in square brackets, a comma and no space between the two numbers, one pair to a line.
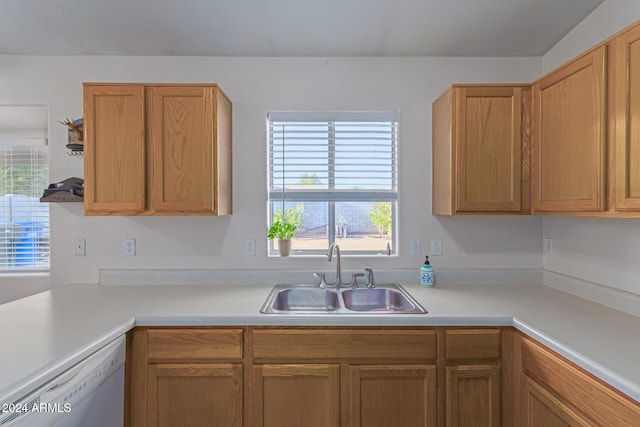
[335,175]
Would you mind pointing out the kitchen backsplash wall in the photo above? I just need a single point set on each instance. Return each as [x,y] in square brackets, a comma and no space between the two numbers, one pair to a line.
[257,86]
[602,251]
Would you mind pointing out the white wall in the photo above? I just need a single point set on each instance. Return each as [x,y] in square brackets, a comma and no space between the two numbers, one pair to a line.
[605,251]
[257,86]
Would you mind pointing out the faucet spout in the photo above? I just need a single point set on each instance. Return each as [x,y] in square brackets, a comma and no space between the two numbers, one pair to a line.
[336,248]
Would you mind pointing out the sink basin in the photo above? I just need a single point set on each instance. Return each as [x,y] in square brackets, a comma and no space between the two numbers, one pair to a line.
[377,299]
[301,298]
[310,299]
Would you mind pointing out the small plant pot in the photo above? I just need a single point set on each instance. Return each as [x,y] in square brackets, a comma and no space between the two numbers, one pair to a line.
[284,247]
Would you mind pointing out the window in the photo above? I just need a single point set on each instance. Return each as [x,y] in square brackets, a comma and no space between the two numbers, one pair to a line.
[24,221]
[336,173]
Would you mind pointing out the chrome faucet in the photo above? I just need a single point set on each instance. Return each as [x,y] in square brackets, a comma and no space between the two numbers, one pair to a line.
[371,283]
[335,247]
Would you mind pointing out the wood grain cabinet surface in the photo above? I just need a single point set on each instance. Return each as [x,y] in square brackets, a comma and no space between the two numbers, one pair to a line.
[473,377]
[568,144]
[481,143]
[351,376]
[343,377]
[569,136]
[586,144]
[157,149]
[555,392]
[625,121]
[184,377]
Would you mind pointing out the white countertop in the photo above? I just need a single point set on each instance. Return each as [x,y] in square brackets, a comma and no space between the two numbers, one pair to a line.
[47,333]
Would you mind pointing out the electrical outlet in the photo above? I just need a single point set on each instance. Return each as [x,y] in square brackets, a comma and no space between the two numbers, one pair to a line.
[130,247]
[436,247]
[250,247]
[547,246]
[80,247]
[415,248]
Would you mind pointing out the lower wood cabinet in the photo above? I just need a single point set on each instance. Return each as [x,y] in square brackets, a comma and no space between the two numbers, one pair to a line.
[360,377]
[295,395]
[392,395]
[473,377]
[555,392]
[343,377]
[542,408]
[473,395]
[184,377]
[200,394]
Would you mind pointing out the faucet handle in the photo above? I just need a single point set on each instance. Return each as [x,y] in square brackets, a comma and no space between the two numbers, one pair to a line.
[323,283]
[371,283]
[354,279]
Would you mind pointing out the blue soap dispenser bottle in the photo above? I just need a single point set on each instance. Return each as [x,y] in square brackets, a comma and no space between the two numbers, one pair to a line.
[427,277]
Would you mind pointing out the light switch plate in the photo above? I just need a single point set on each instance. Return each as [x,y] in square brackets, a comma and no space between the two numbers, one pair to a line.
[415,248]
[80,247]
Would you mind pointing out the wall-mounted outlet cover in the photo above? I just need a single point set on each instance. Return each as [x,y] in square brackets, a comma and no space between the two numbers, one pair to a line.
[250,247]
[130,247]
[436,247]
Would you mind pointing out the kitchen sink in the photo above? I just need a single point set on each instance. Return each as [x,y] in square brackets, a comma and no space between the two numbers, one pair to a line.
[303,298]
[311,299]
[376,299]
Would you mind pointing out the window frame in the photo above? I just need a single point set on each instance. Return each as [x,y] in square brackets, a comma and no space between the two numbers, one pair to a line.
[275,195]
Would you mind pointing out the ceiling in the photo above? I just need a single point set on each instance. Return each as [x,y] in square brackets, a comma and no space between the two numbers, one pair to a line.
[288,27]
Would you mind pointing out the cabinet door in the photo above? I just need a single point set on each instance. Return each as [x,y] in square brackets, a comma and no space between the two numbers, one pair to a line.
[569,137]
[488,147]
[473,396]
[180,148]
[295,395]
[392,395]
[114,163]
[541,408]
[626,74]
[194,395]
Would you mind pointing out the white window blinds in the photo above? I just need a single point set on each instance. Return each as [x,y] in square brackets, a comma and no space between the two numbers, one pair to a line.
[24,221]
[333,157]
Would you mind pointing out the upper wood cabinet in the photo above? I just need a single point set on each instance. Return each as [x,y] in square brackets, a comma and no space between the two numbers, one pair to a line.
[578,130]
[569,136]
[481,150]
[625,123]
[157,149]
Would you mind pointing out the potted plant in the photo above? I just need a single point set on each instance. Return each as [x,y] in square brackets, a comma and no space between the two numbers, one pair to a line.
[284,227]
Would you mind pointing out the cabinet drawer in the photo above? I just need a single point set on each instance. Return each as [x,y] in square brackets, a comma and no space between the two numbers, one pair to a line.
[404,345]
[165,345]
[472,344]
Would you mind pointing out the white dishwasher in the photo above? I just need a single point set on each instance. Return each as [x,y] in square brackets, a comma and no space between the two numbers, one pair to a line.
[88,394]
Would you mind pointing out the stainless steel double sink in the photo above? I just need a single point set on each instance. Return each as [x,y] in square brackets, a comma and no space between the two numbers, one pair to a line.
[311,299]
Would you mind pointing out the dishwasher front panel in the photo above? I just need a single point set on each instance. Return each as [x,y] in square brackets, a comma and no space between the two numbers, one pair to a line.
[91,393]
